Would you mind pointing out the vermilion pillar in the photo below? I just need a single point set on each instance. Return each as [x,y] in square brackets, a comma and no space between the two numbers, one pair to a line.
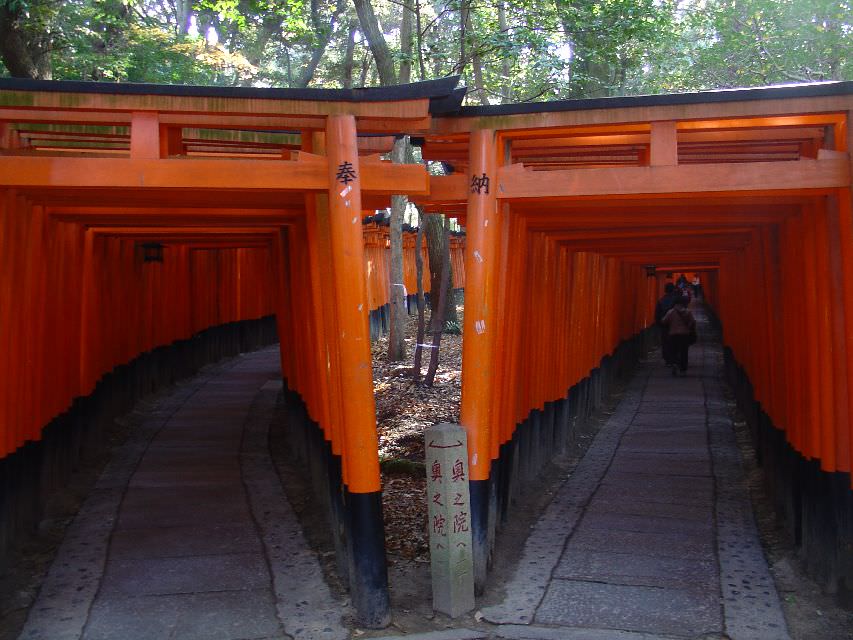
[841,204]
[482,259]
[368,575]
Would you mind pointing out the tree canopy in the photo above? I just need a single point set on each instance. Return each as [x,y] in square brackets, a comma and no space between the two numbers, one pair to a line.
[505,50]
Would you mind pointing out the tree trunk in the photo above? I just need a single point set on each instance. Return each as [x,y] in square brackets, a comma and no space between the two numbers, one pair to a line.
[270,27]
[349,63]
[365,69]
[388,76]
[468,48]
[376,42]
[464,10]
[183,13]
[479,84]
[506,83]
[419,266]
[322,35]
[289,68]
[420,39]
[595,79]
[406,43]
[437,327]
[26,55]
[397,336]
[436,240]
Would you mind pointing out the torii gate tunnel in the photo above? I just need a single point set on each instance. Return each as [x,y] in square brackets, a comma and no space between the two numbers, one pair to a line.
[145,230]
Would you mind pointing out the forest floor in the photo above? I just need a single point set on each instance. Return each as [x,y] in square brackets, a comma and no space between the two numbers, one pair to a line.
[404,410]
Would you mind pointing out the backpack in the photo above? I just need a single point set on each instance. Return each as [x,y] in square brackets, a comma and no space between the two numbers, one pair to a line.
[692,336]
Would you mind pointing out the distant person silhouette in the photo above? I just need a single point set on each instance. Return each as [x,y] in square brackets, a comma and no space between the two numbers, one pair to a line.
[661,308]
[697,288]
[682,330]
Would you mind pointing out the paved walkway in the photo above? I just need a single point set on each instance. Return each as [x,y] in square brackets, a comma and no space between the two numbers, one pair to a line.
[653,535]
[187,535]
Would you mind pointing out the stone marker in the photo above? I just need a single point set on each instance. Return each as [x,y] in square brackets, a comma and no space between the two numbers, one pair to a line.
[451,558]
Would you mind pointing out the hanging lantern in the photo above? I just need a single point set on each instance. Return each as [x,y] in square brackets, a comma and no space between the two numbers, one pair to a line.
[152,252]
[651,270]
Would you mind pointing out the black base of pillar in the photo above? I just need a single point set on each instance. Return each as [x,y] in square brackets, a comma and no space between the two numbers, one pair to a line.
[815,506]
[354,519]
[368,571]
[379,321]
[482,530]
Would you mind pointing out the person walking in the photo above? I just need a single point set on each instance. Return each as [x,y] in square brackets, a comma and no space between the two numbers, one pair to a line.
[661,308]
[697,288]
[682,333]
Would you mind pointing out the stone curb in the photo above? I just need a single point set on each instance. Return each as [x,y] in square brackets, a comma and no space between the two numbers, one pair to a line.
[523,632]
[449,634]
[59,612]
[305,606]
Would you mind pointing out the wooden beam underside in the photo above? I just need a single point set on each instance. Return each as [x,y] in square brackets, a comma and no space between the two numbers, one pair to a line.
[174,216]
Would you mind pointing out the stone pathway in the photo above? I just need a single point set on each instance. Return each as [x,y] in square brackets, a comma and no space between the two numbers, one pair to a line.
[187,534]
[652,537]
[656,532]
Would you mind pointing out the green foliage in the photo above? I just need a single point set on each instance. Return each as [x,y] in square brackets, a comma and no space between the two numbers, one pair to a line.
[402,467]
[608,40]
[105,41]
[732,43]
[453,328]
[515,50]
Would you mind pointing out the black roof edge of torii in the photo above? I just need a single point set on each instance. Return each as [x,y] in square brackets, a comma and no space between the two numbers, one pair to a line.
[777,92]
[444,94]
[441,92]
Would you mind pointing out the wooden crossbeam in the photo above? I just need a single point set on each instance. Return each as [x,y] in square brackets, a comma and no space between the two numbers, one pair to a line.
[203,120]
[516,183]
[659,246]
[647,234]
[176,216]
[185,232]
[202,174]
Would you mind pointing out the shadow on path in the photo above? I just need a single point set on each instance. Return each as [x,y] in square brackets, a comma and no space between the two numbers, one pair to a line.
[653,533]
[187,534]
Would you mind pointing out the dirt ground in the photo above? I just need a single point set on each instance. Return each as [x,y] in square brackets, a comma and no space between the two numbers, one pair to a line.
[403,411]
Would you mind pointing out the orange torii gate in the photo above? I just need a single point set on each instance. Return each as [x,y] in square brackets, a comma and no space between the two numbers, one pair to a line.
[256,198]
[570,206]
[573,211]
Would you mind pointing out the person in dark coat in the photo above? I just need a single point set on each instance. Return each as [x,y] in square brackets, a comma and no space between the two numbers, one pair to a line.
[661,308]
[682,328]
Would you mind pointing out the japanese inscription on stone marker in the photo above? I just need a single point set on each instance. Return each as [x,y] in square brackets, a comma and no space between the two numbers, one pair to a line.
[449,522]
